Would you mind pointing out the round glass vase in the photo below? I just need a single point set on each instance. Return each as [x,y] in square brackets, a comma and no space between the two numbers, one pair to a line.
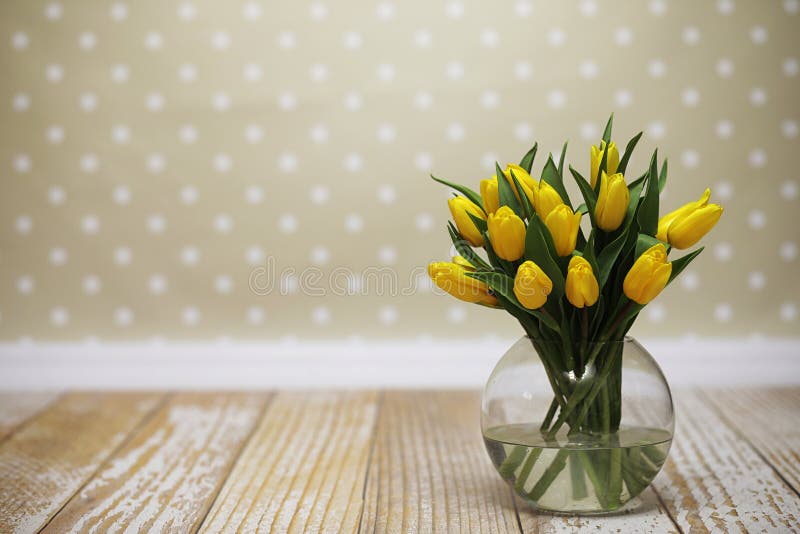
[582,442]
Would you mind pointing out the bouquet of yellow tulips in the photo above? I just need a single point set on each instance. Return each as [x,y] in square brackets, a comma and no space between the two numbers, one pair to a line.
[572,291]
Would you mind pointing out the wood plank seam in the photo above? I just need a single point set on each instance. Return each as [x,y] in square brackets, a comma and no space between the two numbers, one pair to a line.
[136,428]
[512,495]
[666,509]
[373,440]
[743,436]
[32,416]
[234,459]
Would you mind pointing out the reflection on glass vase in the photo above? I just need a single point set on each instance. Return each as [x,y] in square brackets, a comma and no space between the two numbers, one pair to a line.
[572,443]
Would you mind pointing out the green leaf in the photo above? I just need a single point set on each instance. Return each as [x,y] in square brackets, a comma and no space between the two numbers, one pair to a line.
[602,168]
[589,254]
[538,251]
[527,208]
[466,191]
[589,196]
[480,224]
[648,209]
[551,175]
[608,256]
[583,208]
[681,263]
[561,160]
[463,247]
[527,160]
[635,191]
[607,131]
[643,243]
[662,177]
[623,163]
[506,193]
[504,285]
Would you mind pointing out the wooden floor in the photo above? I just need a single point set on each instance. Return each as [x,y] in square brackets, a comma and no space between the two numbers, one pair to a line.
[394,461]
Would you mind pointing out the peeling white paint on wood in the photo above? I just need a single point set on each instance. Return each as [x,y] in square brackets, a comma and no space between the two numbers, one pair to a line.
[16,408]
[166,476]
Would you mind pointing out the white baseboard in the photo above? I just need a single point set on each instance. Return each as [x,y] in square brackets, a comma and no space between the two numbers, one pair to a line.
[293,364]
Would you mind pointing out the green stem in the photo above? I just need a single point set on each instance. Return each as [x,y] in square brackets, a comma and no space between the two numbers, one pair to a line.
[578,478]
[512,461]
[550,413]
[527,467]
[550,474]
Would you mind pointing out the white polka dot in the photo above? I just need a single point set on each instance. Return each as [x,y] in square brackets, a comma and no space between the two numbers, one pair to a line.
[90,225]
[318,73]
[788,311]
[187,73]
[423,38]
[320,255]
[353,223]
[253,134]
[286,40]
[690,158]
[223,223]
[690,97]
[153,41]
[123,316]
[156,163]
[287,162]
[22,163]
[190,256]
[556,99]
[254,194]
[121,195]
[789,128]
[724,190]
[523,8]
[187,11]
[318,10]
[724,129]
[759,35]
[790,67]
[388,315]
[156,223]
[56,195]
[589,130]
[623,97]
[26,284]
[691,35]
[321,315]
[189,195]
[119,11]
[757,219]
[252,72]
[523,70]
[454,9]
[251,11]
[55,134]
[523,131]
[20,40]
[89,163]
[223,284]
[222,163]
[623,36]
[723,251]
[456,314]
[489,38]
[655,129]
[757,158]
[656,313]
[353,101]
[723,312]
[689,280]
[21,102]
[788,251]
[353,162]
[54,73]
[255,315]
[791,6]
[289,284]
[455,132]
[255,255]
[24,224]
[658,7]
[758,96]
[387,133]
[789,190]
[556,37]
[423,100]
[386,72]
[725,67]
[287,223]
[387,194]
[454,70]
[319,133]
[756,280]
[157,284]
[424,222]
[58,256]
[386,11]
[221,101]
[87,41]
[123,256]
[120,73]
[588,69]
[352,40]
[91,284]
[387,255]
[190,316]
[59,316]
[319,194]
[490,99]
[53,11]
[488,161]
[725,7]
[423,161]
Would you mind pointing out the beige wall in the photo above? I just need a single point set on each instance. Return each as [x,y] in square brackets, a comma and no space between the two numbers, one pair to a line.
[136,138]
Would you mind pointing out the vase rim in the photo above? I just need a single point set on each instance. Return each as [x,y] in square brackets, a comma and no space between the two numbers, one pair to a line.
[626,339]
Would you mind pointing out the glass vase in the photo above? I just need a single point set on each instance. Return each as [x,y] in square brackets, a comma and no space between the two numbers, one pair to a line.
[581,429]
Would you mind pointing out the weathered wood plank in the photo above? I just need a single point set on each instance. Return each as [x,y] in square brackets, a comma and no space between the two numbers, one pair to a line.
[714,481]
[304,468]
[770,420]
[429,471]
[16,408]
[44,463]
[166,476]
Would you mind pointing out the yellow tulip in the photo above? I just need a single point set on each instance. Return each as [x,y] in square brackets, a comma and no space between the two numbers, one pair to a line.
[648,275]
[545,198]
[532,285]
[563,226]
[581,285]
[452,278]
[507,234]
[459,208]
[463,262]
[612,202]
[686,225]
[612,160]
[491,195]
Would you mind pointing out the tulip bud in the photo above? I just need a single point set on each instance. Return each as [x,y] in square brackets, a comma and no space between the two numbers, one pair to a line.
[612,202]
[532,285]
[507,234]
[686,225]
[563,226]
[489,188]
[545,198]
[648,275]
[459,208]
[581,285]
[452,278]
[612,160]
[490,195]
[463,262]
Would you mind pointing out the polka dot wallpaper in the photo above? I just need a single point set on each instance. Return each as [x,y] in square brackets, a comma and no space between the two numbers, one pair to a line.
[258,170]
